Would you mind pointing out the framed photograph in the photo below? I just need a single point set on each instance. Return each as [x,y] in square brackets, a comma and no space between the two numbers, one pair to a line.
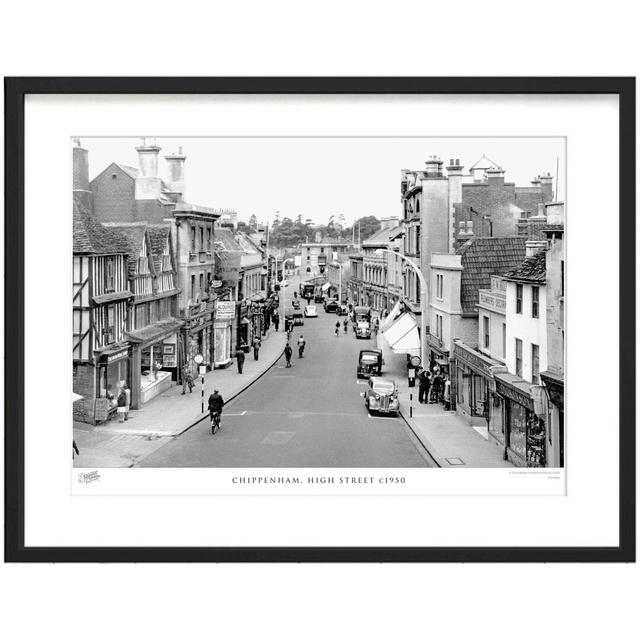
[320,319]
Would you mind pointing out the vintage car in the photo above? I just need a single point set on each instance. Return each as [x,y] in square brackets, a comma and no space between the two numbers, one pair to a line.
[311,311]
[318,297]
[295,316]
[369,363]
[363,330]
[295,304]
[343,310]
[381,396]
[330,306]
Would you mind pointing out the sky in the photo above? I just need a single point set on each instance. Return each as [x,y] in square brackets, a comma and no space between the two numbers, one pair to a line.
[320,177]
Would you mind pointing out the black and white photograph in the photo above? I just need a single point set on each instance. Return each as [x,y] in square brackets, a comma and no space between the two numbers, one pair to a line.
[318,302]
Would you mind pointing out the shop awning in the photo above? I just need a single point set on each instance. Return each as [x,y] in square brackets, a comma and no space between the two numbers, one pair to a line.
[155,332]
[402,336]
[326,286]
[386,323]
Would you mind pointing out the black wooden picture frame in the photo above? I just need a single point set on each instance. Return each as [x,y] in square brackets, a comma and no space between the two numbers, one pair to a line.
[15,91]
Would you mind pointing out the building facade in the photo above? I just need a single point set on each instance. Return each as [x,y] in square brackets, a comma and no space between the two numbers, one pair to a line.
[316,256]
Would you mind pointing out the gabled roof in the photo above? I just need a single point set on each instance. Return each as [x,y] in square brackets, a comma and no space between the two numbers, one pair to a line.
[134,235]
[485,163]
[90,237]
[132,171]
[482,258]
[532,269]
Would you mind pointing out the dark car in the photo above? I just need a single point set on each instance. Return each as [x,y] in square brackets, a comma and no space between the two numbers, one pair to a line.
[331,306]
[369,363]
[318,297]
[342,310]
[381,396]
[295,304]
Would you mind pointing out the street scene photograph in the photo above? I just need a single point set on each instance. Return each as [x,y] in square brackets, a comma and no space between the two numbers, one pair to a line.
[318,302]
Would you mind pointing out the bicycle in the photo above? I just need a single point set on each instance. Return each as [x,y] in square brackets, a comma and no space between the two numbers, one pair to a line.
[215,421]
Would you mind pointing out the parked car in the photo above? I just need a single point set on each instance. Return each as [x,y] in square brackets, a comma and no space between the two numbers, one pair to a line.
[343,310]
[363,330]
[381,396]
[369,363]
[295,315]
[311,311]
[330,306]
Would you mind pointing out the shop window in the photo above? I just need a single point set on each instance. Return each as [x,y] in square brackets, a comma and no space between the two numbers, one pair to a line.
[485,325]
[518,429]
[535,302]
[518,298]
[535,364]
[519,357]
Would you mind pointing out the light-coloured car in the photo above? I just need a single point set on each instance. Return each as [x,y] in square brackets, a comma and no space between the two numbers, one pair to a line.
[311,311]
[381,396]
[363,330]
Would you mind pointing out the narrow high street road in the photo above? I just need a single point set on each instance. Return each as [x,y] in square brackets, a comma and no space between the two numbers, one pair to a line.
[309,415]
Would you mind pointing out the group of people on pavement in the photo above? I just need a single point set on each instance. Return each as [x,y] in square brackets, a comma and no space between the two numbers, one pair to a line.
[434,387]
[121,399]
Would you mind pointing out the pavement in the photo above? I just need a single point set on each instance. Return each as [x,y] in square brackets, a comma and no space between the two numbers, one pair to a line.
[116,444]
[445,435]
[309,415]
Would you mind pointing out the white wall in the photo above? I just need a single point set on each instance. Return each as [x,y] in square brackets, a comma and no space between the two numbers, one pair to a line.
[529,330]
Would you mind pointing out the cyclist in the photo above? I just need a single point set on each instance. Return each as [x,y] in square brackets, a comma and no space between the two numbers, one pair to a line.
[215,409]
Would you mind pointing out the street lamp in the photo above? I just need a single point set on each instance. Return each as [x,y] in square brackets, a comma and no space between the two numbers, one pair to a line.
[284,290]
[423,301]
[339,283]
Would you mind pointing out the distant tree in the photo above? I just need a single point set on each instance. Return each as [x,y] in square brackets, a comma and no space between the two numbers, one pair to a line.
[253,222]
[366,226]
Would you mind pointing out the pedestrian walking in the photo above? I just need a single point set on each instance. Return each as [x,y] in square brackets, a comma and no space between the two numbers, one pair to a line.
[122,404]
[127,392]
[187,379]
[287,354]
[446,396]
[345,324]
[337,328]
[256,347]
[240,359]
[301,345]
[276,321]
[75,451]
[436,387]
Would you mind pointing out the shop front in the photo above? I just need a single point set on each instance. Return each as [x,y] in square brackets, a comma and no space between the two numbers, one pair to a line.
[154,360]
[198,337]
[522,420]
[437,353]
[223,328]
[113,367]
[475,384]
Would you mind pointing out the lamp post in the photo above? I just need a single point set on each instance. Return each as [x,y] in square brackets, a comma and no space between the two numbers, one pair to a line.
[284,291]
[340,283]
[424,289]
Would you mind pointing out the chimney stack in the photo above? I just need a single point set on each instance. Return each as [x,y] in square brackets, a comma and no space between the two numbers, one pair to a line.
[534,246]
[434,167]
[148,184]
[495,176]
[81,187]
[454,172]
[175,163]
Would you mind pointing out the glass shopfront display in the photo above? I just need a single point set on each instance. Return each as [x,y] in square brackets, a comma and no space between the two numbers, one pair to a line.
[496,416]
[518,429]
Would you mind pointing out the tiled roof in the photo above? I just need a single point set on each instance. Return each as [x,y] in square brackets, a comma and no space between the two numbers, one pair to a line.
[380,237]
[226,238]
[89,236]
[133,234]
[132,171]
[532,269]
[158,234]
[482,258]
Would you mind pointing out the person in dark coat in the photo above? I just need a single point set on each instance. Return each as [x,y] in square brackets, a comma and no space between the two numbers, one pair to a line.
[287,353]
[240,359]
[215,404]
[436,388]
[276,321]
[424,382]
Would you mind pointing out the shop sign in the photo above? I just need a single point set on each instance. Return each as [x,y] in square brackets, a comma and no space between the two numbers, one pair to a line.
[225,310]
[114,357]
[216,284]
[511,393]
[472,360]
